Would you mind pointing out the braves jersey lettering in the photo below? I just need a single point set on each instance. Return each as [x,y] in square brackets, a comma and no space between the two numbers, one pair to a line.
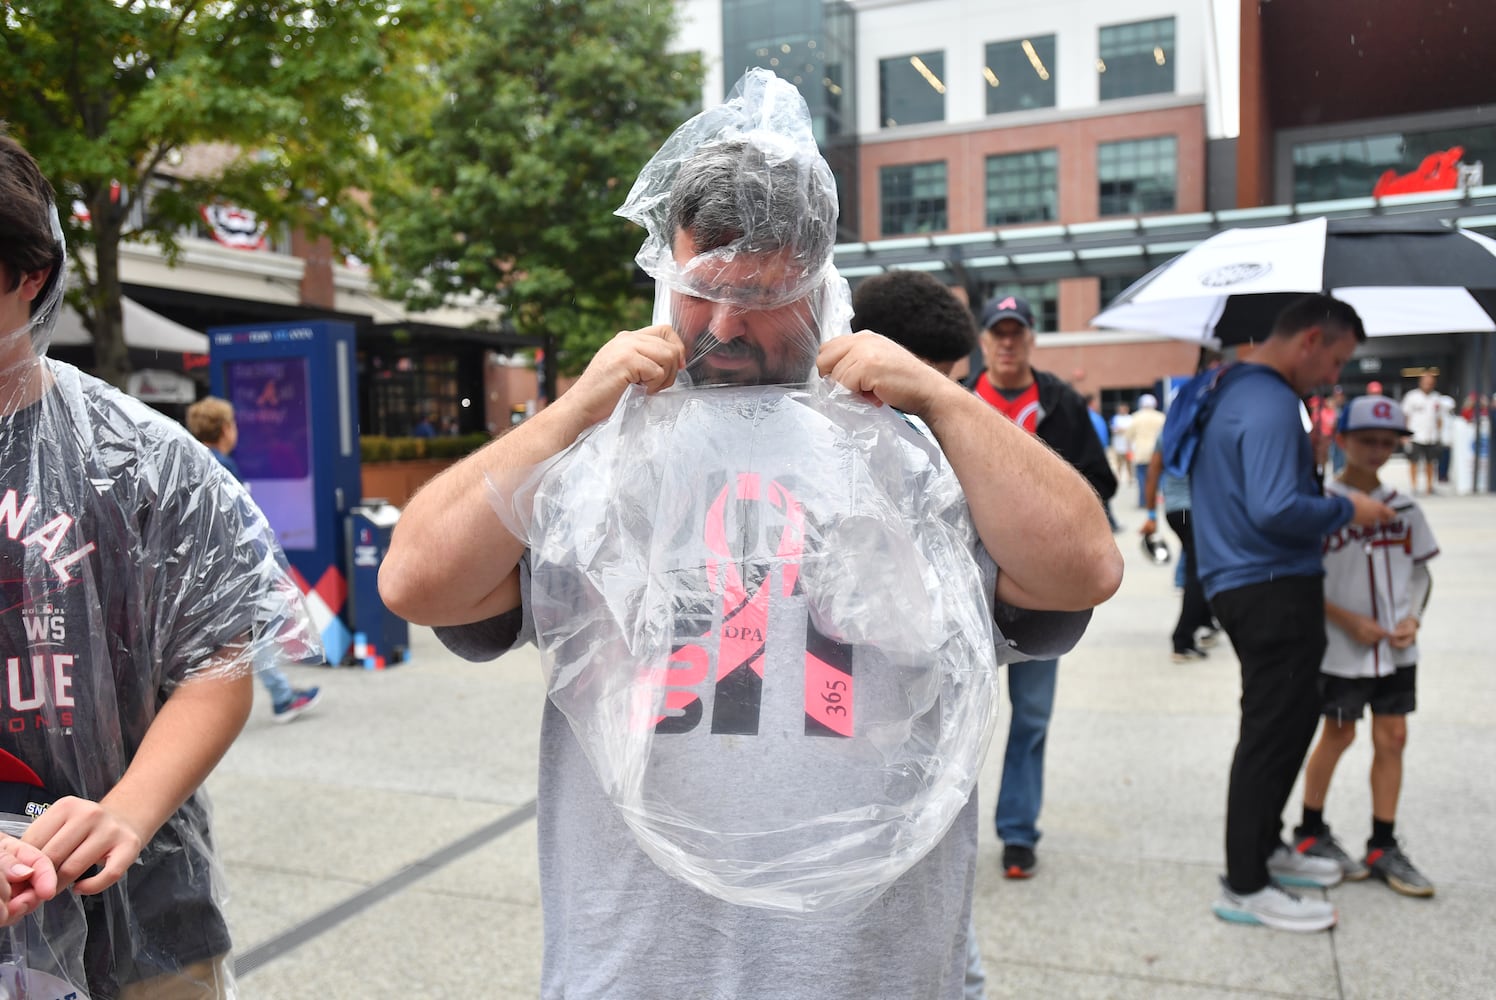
[47,680]
[49,536]
[741,638]
[1369,571]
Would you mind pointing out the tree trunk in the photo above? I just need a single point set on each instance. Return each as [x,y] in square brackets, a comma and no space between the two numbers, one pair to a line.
[106,315]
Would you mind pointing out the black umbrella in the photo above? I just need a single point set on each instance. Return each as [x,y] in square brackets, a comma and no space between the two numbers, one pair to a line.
[1401,278]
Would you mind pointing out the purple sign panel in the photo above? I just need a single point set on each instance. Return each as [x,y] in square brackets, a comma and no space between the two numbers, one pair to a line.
[274,453]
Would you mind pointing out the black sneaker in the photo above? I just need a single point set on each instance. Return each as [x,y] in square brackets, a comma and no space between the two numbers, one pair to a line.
[1189,654]
[1394,867]
[1019,861]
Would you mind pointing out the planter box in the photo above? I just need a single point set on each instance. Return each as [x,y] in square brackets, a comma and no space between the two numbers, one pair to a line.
[397,482]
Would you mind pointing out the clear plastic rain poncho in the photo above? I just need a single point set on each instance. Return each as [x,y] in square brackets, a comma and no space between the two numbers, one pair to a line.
[133,564]
[761,605]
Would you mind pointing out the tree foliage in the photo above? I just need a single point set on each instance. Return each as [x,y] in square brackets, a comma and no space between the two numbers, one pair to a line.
[107,93]
[548,111]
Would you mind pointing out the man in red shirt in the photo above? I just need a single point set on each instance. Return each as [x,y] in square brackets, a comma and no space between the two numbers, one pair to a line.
[1044,405]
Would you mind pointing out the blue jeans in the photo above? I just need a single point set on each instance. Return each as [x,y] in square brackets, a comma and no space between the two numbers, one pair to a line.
[1031,689]
[277,684]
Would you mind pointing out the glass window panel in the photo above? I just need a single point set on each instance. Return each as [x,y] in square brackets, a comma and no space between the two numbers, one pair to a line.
[1350,168]
[913,198]
[1137,176]
[911,89]
[1136,59]
[1022,187]
[1020,74]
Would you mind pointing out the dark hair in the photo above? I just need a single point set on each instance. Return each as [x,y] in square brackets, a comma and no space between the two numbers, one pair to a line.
[26,240]
[1336,317]
[730,191]
[917,312]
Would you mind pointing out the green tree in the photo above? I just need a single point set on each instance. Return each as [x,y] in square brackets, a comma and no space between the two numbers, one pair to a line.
[548,111]
[106,94]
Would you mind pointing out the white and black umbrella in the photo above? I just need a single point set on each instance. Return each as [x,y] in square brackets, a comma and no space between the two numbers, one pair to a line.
[1401,278]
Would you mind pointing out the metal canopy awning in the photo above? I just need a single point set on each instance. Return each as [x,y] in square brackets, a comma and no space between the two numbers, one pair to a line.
[1129,246]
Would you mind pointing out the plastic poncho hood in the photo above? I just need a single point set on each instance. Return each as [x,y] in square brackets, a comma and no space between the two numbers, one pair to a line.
[740,211]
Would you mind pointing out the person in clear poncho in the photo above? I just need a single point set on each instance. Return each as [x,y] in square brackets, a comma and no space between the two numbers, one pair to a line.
[139,584]
[764,598]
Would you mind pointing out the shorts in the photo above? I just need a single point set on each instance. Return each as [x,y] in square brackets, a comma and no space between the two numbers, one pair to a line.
[1425,452]
[1345,698]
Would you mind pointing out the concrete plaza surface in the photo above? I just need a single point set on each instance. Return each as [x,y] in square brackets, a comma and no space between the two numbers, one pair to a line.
[384,845]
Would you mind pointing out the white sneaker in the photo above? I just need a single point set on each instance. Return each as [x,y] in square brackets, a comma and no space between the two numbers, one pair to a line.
[1274,906]
[1305,870]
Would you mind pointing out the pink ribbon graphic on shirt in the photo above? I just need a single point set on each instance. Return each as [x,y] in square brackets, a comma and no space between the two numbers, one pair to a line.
[738,691]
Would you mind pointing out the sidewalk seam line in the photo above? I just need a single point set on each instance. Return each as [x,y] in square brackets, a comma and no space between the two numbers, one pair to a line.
[289,940]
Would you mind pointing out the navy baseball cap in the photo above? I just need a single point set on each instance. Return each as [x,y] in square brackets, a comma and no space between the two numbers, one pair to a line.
[1372,413]
[1002,307]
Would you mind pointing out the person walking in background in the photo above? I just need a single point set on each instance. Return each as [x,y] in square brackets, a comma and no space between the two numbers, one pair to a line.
[1093,410]
[1195,629]
[1045,406]
[1121,456]
[1421,407]
[1376,588]
[1142,436]
[1448,414]
[1259,520]
[211,421]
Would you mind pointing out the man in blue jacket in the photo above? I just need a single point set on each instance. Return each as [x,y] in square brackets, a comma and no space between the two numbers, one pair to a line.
[1260,518]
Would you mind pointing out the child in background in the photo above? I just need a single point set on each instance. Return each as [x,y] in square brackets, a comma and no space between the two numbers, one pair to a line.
[1376,586]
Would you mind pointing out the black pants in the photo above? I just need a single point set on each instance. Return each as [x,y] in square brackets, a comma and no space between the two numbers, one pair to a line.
[1278,631]
[1194,612]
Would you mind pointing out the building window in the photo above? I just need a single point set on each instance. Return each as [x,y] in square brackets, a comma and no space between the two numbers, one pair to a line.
[911,89]
[1114,285]
[913,198]
[1350,168]
[1137,58]
[1136,176]
[1020,75]
[1022,187]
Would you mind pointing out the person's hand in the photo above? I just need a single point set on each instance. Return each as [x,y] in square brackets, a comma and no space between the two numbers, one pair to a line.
[27,879]
[882,372]
[1405,634]
[651,357]
[1149,527]
[77,834]
[1369,511]
[1363,630]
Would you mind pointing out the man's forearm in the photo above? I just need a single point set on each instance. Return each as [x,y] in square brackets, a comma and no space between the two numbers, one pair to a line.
[1038,517]
[451,560]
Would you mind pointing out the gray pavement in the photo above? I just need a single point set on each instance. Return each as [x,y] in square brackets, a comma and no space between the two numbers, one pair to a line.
[384,845]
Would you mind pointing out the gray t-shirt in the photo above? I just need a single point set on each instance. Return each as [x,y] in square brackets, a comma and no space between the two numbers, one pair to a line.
[745,769]
[620,928]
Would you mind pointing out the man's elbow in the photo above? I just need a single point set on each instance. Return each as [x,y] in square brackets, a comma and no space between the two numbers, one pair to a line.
[400,590]
[1105,576]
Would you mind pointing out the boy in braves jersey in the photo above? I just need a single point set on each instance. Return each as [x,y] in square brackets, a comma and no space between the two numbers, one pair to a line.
[1376,586]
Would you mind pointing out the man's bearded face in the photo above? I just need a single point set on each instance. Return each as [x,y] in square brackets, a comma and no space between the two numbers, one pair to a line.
[728,339]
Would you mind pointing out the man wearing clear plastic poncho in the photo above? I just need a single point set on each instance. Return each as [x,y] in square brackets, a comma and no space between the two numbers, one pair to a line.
[764,600]
[140,582]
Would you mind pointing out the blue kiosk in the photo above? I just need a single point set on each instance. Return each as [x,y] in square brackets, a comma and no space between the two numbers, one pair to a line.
[294,391]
